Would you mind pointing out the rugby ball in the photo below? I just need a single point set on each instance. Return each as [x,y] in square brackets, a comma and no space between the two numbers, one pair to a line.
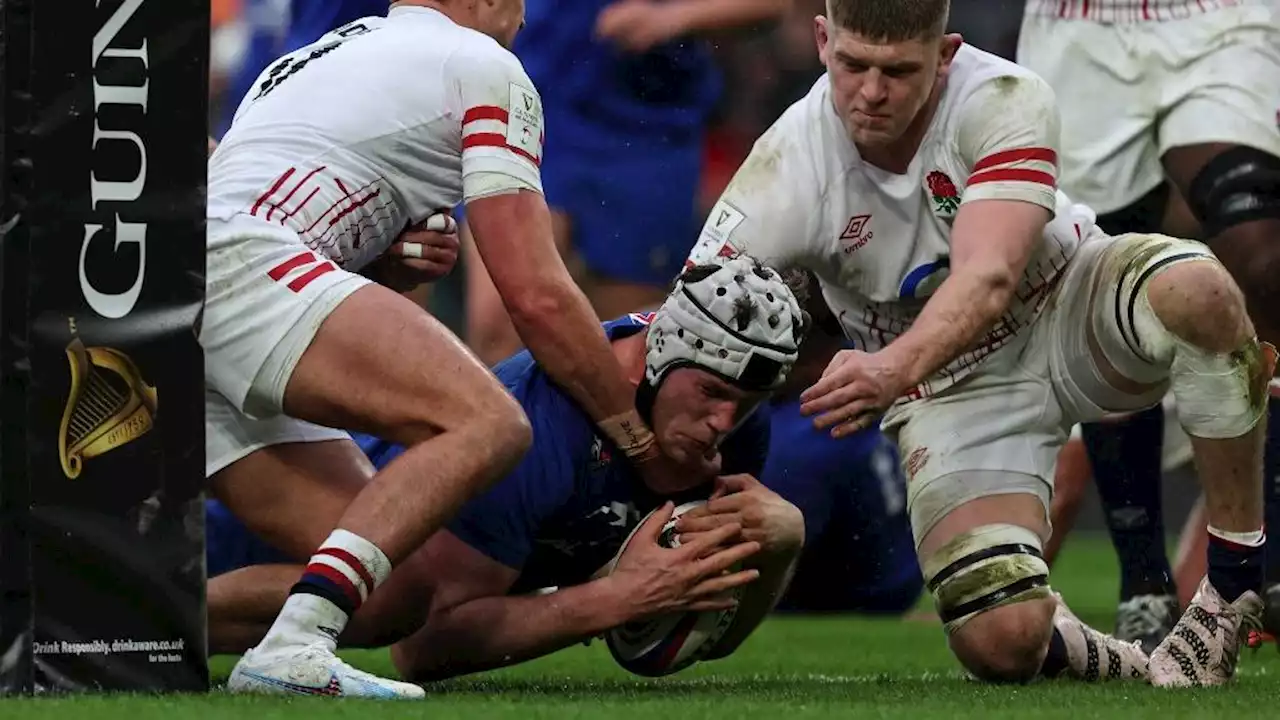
[667,644]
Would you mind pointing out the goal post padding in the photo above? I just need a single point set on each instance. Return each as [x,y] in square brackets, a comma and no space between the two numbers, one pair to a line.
[102,198]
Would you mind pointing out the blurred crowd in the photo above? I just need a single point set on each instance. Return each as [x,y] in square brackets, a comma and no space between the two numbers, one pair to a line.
[764,70]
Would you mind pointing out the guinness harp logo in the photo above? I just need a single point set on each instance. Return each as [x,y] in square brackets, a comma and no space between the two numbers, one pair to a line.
[110,405]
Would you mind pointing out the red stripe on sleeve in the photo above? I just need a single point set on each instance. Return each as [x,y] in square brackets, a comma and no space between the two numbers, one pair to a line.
[496,140]
[1016,155]
[1013,175]
[485,112]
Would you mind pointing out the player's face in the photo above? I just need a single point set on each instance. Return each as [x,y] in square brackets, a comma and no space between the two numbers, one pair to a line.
[501,20]
[879,88]
[694,411]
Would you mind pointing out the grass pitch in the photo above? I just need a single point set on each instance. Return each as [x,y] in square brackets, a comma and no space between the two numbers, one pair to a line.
[791,668]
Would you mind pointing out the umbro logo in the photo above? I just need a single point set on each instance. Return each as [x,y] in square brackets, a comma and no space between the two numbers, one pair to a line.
[856,234]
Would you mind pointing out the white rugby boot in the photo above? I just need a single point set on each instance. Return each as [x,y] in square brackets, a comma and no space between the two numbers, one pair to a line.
[312,670]
[1092,655]
[1147,619]
[1204,646]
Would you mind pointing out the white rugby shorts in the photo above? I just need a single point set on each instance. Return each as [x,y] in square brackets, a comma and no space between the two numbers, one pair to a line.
[1128,92]
[1016,411]
[267,294]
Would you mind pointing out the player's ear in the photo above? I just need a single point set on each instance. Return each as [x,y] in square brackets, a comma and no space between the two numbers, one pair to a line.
[949,45]
[822,35]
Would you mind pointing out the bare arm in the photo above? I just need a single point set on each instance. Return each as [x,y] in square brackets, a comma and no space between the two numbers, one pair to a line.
[474,625]
[549,312]
[1007,134]
[481,627]
[991,243]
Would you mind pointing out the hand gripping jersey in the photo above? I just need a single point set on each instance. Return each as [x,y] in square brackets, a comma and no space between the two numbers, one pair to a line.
[377,125]
[879,242]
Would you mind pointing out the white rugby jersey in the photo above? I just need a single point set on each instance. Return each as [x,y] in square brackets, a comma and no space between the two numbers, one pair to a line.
[879,242]
[376,125]
[1130,11]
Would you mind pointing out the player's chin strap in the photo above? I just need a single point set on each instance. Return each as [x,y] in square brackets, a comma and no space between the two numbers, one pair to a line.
[983,569]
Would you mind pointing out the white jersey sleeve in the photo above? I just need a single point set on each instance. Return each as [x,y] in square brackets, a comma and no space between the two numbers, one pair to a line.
[1008,134]
[769,208]
[502,124]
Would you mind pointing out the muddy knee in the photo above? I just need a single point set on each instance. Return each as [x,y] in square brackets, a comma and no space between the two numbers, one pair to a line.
[1007,643]
[991,588]
[1191,317]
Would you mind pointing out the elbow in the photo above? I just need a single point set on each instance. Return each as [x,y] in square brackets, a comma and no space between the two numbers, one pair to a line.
[536,307]
[996,288]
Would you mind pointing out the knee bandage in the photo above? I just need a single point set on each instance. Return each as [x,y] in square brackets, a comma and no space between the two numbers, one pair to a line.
[983,569]
[1219,395]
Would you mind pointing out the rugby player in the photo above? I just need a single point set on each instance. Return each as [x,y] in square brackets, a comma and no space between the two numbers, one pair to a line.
[380,126]
[466,601]
[627,87]
[917,181]
[1163,101]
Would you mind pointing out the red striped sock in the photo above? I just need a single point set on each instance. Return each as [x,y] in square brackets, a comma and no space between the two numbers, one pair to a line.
[344,571]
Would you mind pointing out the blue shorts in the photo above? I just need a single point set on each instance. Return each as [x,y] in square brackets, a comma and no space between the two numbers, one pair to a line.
[229,545]
[632,202]
[859,555]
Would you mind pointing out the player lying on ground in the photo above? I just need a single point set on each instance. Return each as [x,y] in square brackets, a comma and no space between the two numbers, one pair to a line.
[916,180]
[337,149]
[463,603]
[1191,89]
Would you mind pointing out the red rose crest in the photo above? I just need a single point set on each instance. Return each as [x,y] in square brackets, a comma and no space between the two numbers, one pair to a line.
[945,196]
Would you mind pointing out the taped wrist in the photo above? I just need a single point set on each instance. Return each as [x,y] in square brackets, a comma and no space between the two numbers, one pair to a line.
[983,569]
[632,436]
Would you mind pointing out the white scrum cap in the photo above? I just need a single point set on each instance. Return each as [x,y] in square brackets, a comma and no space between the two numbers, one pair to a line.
[739,321]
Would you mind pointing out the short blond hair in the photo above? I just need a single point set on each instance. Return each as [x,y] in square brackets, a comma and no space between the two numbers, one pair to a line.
[891,20]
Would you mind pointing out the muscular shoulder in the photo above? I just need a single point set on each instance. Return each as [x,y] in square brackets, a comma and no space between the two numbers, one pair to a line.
[479,58]
[994,102]
[1004,127]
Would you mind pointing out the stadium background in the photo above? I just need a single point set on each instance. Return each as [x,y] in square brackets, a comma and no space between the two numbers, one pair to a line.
[764,71]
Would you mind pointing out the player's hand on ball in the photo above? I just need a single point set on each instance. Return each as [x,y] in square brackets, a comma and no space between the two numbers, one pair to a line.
[423,253]
[638,25]
[855,390]
[764,516]
[655,580]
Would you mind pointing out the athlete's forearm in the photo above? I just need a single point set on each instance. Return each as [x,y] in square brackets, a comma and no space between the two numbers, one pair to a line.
[965,306]
[494,632]
[548,311]
[711,15]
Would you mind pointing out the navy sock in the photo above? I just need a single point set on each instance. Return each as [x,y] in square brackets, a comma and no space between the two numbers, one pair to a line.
[1056,662]
[1234,569]
[1126,460]
[1271,486]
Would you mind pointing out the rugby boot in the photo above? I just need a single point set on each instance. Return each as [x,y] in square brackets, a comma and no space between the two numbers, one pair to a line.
[1204,646]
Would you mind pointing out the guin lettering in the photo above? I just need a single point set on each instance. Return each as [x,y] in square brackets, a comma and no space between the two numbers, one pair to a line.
[117,305]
